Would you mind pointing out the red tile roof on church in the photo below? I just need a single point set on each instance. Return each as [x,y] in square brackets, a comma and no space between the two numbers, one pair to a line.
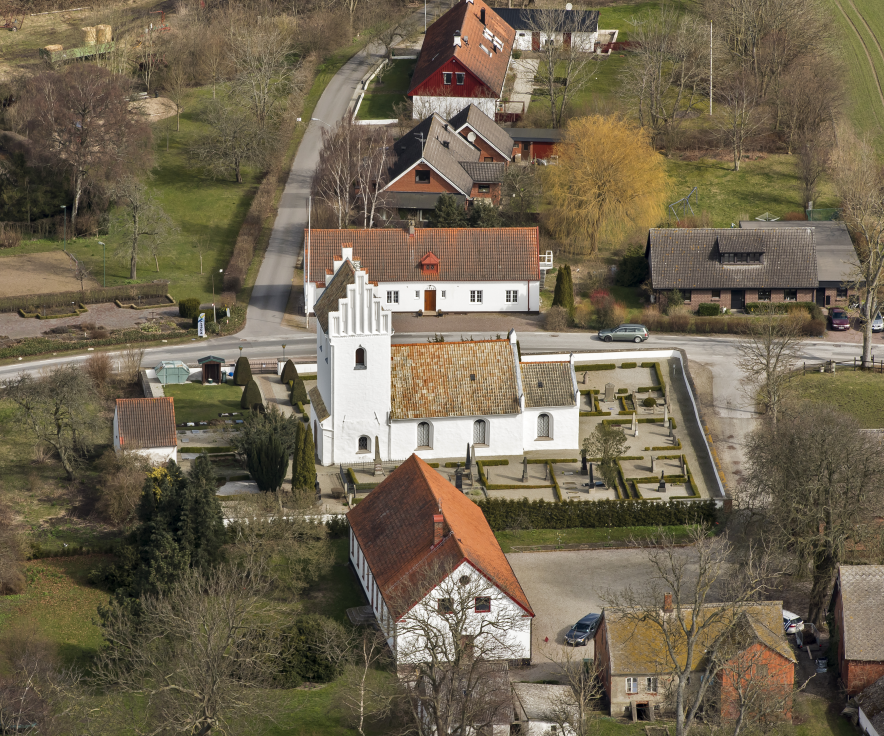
[489,65]
[465,253]
[394,528]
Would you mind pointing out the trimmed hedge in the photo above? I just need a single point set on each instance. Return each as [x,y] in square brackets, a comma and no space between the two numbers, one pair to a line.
[596,367]
[504,514]
[30,315]
[99,295]
[242,372]
[628,365]
[251,395]
[189,308]
[708,309]
[552,475]
[812,308]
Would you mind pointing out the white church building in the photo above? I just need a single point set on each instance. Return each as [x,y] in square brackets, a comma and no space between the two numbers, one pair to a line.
[430,399]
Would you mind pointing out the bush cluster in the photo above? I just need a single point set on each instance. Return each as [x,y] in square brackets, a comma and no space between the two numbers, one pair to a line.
[812,308]
[716,325]
[189,308]
[504,513]
[708,309]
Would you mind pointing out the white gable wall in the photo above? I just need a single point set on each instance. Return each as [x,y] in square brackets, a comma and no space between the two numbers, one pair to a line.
[449,437]
[584,41]
[424,105]
[564,428]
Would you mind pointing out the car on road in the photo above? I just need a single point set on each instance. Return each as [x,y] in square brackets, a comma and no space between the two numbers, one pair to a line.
[878,323]
[583,630]
[791,622]
[628,333]
[838,319]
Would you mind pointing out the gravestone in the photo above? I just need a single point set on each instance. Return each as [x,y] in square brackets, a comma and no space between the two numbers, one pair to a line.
[662,487]
[652,464]
[682,465]
[591,477]
[665,414]
[584,377]
[469,463]
[458,478]
[524,470]
[609,392]
[583,470]
[378,466]
[546,471]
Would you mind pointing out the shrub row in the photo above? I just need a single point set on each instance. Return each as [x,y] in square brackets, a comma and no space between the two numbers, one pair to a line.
[661,382]
[37,552]
[596,367]
[708,309]
[558,490]
[628,365]
[524,514]
[80,308]
[717,325]
[98,295]
[812,308]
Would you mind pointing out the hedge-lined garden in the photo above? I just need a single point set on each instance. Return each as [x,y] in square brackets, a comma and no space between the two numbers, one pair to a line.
[100,295]
[524,514]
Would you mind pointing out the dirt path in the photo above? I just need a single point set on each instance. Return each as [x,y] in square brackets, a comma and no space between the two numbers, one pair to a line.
[865,48]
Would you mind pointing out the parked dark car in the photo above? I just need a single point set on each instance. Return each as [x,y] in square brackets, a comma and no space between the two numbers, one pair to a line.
[629,333]
[583,630]
[838,319]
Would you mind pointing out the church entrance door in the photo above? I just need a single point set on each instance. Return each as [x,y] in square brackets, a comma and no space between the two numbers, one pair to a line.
[430,300]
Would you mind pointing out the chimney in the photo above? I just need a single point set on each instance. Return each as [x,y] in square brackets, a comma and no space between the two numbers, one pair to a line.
[457,38]
[482,16]
[438,528]
[347,251]
[411,228]
[667,603]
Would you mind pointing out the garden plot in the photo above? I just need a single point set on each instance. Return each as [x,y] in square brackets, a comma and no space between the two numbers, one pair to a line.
[40,273]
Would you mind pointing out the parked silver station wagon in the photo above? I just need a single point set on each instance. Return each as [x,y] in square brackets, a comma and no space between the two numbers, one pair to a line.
[629,333]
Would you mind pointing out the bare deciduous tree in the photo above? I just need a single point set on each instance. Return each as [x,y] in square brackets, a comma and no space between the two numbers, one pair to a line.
[449,652]
[263,74]
[120,485]
[667,70]
[81,273]
[177,76]
[566,62]
[373,151]
[141,225]
[860,183]
[237,140]
[129,364]
[56,409]
[213,57]
[710,585]
[740,114]
[767,353]
[81,118]
[522,190]
[813,162]
[574,710]
[820,502]
[199,657]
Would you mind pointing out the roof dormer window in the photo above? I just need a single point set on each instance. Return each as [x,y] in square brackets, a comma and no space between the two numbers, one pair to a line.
[741,259]
[429,264]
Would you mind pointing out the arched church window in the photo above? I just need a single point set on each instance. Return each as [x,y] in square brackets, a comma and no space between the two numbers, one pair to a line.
[360,357]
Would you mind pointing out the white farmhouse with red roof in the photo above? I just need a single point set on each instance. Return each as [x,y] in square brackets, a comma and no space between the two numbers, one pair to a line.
[423,551]
[431,399]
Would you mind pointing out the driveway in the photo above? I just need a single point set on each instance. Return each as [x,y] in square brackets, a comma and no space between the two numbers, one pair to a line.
[562,587]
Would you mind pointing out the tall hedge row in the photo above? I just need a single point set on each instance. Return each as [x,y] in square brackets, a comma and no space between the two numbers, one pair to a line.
[504,513]
[99,295]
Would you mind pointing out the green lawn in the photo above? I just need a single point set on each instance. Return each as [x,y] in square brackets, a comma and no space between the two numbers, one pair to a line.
[768,184]
[529,537]
[860,23]
[197,403]
[58,605]
[387,90]
[859,394]
[338,590]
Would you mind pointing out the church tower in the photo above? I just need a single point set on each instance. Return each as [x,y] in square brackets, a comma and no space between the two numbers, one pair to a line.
[353,368]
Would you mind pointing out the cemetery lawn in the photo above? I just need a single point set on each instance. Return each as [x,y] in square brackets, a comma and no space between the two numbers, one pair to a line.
[616,536]
[854,392]
[197,403]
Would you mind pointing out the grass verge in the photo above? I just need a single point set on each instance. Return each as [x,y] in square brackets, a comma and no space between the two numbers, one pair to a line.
[532,537]
[854,392]
[197,403]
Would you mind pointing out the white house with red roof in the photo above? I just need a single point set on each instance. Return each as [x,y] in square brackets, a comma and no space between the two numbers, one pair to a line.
[146,427]
[422,551]
[431,399]
[433,269]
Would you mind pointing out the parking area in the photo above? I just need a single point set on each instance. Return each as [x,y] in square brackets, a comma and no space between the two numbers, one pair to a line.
[562,587]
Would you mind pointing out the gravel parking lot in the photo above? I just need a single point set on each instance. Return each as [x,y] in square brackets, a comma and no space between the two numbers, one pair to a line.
[562,587]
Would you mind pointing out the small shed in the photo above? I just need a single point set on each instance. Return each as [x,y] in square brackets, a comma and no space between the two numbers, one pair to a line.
[172,371]
[212,369]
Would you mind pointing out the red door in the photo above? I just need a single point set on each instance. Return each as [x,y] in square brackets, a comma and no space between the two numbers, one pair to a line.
[535,41]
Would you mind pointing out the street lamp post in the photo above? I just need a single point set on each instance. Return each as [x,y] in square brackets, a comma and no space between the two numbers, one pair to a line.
[64,209]
[104,260]
[215,311]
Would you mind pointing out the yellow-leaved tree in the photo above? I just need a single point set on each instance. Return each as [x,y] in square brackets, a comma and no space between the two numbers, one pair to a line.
[609,179]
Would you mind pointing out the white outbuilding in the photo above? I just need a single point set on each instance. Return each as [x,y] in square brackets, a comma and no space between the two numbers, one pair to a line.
[146,427]
[431,399]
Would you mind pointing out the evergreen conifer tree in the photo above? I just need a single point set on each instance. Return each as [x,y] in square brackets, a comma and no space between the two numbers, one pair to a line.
[563,296]
[289,372]
[304,470]
[268,463]
[251,395]
[484,215]
[242,373]
[448,212]
[299,390]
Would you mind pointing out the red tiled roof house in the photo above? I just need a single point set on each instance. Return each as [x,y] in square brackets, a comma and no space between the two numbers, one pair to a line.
[433,269]
[415,543]
[464,60]
[857,607]
[146,427]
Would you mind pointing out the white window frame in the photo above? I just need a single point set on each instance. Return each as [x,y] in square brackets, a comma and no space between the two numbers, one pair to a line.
[392,297]
[475,296]
[631,685]
[650,684]
[484,442]
[367,445]
[512,296]
[442,294]
[417,294]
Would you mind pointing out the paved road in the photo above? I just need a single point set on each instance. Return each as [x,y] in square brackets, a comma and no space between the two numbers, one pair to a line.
[272,288]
